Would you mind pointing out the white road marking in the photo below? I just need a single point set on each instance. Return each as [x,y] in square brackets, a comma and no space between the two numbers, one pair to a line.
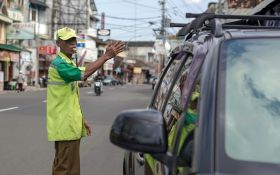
[44,101]
[8,109]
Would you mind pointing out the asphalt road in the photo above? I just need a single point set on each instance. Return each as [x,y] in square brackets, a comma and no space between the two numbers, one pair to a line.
[24,149]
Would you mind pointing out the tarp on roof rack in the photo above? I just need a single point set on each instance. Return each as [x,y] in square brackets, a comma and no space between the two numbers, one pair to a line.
[251,11]
[260,9]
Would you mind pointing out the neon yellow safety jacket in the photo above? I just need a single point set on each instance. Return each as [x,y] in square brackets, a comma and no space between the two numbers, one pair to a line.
[65,120]
[190,119]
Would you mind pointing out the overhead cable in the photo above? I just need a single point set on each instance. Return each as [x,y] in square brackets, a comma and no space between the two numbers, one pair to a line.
[132,19]
[142,5]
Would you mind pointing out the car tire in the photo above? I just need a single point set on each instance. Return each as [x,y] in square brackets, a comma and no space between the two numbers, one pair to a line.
[130,165]
[124,169]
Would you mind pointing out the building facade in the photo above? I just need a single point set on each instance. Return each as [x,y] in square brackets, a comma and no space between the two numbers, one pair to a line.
[27,35]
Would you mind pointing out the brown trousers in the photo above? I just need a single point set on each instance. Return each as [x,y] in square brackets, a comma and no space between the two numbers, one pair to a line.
[67,158]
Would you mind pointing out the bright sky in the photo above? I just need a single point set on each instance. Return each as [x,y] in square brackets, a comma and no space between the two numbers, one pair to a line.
[120,16]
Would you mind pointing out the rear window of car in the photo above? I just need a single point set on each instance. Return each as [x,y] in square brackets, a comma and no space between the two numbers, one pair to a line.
[251,111]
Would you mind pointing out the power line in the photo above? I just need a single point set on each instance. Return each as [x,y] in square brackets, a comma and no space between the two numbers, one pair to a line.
[138,4]
[181,13]
[190,8]
[132,30]
[132,19]
[128,26]
[130,34]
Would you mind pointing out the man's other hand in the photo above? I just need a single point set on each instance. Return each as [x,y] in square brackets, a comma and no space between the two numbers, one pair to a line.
[88,128]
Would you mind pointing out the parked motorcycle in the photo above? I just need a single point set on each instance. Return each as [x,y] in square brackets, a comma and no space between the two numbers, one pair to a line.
[98,87]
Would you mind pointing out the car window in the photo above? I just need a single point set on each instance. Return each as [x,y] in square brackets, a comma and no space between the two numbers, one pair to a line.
[173,110]
[250,99]
[173,107]
[166,83]
[180,137]
[162,91]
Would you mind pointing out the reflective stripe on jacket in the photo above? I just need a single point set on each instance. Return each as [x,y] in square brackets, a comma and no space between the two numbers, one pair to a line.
[64,115]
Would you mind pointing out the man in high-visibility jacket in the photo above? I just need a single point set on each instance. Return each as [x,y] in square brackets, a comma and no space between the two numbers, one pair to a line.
[66,124]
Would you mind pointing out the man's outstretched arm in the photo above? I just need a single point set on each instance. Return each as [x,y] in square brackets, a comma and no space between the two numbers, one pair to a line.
[112,50]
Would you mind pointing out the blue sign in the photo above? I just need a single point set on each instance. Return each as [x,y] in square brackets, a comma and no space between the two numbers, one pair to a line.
[81,44]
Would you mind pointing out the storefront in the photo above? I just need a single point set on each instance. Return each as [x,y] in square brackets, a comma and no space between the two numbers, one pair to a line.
[9,63]
[46,55]
[9,66]
[5,65]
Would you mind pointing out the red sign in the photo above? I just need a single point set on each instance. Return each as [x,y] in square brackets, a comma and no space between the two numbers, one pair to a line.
[14,57]
[47,50]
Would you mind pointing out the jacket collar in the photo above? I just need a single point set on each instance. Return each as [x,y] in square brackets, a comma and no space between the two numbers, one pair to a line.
[67,59]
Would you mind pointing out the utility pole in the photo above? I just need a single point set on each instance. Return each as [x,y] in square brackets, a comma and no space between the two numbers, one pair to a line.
[162,29]
[220,7]
[162,33]
[135,23]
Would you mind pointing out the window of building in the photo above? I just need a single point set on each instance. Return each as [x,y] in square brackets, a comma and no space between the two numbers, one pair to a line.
[33,15]
[20,3]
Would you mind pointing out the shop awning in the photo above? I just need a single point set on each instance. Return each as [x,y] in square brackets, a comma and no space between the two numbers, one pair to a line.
[11,47]
[38,3]
[6,19]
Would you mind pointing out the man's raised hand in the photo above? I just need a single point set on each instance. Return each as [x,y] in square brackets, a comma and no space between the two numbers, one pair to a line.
[114,48]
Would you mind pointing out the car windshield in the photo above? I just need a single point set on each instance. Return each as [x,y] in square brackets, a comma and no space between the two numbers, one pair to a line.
[252,99]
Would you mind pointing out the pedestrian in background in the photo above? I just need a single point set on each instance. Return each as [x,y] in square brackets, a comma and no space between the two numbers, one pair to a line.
[66,124]
[20,81]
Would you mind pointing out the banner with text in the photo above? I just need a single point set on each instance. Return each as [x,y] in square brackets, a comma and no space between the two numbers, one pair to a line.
[21,31]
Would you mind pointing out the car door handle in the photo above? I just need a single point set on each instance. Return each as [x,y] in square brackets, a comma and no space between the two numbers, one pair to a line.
[140,158]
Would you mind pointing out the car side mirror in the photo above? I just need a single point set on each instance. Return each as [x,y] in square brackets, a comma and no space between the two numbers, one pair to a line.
[140,130]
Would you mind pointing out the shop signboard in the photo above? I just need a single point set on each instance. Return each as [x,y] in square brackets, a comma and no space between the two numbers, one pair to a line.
[81,40]
[47,50]
[1,81]
[25,57]
[14,57]
[137,70]
[104,32]
[108,66]
[9,56]
[4,56]
[15,14]
[21,31]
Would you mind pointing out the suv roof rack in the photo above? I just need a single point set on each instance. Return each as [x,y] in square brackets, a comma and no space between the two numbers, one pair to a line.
[207,21]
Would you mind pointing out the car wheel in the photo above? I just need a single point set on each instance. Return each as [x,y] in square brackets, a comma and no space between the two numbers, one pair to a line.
[124,169]
[130,165]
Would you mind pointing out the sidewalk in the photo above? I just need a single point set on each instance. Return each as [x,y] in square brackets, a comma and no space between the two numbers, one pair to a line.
[27,89]
[33,88]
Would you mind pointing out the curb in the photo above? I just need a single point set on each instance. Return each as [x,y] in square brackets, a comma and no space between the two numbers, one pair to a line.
[28,89]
